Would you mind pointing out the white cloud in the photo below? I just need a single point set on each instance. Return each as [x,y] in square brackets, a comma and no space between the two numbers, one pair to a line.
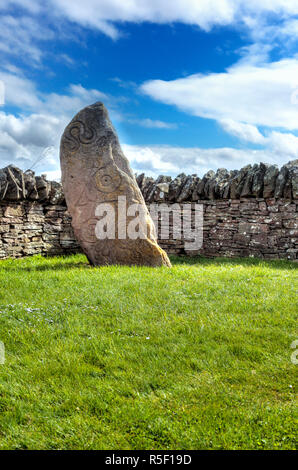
[70,103]
[102,14]
[283,144]
[19,91]
[23,94]
[152,123]
[202,13]
[21,33]
[54,175]
[257,95]
[143,122]
[280,143]
[37,129]
[168,160]
[25,137]
[252,93]
[242,131]
[257,18]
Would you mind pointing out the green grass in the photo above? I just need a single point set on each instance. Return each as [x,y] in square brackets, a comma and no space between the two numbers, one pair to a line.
[194,357]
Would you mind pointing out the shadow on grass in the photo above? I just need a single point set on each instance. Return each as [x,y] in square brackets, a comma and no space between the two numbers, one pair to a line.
[32,264]
[44,267]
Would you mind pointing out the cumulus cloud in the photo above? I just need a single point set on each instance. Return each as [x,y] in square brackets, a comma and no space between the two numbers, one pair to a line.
[22,93]
[39,130]
[248,95]
[101,15]
[256,18]
[33,135]
[170,160]
[241,99]
[203,13]
[22,33]
[242,131]
[257,95]
[280,143]
[19,91]
[27,139]
[283,144]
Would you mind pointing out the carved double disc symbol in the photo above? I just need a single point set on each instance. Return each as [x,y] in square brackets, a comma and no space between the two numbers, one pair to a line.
[107,179]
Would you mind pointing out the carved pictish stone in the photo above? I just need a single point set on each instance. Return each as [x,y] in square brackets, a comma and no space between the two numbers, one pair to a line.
[96,176]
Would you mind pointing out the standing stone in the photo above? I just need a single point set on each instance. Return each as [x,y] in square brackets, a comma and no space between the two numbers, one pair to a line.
[96,172]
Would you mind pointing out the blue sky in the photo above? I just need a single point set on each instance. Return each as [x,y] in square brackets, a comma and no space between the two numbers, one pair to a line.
[191,85]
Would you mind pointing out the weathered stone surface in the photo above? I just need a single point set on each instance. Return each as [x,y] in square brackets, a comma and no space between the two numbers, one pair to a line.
[156,193]
[30,185]
[14,189]
[258,180]
[3,183]
[270,180]
[291,186]
[245,227]
[56,194]
[95,171]
[43,188]
[281,181]
[187,189]
[247,190]
[239,182]
[294,174]
[29,225]
[175,187]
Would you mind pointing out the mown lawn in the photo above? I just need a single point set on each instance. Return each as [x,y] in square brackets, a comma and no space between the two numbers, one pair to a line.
[194,357]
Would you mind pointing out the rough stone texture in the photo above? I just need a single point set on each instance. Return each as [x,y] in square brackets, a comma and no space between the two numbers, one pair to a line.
[95,171]
[33,220]
[258,181]
[33,227]
[263,228]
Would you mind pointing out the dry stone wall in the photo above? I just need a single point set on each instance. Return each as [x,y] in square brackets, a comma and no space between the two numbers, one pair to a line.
[250,212]
[28,228]
[33,216]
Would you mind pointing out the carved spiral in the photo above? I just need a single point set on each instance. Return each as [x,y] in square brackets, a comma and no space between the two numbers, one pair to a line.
[107,179]
[78,133]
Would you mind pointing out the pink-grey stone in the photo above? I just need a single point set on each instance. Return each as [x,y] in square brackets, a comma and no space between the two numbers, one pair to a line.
[95,171]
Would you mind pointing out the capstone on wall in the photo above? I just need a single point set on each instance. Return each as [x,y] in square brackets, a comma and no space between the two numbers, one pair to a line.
[250,212]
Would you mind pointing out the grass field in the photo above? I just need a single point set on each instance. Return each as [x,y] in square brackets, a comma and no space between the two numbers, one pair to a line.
[194,357]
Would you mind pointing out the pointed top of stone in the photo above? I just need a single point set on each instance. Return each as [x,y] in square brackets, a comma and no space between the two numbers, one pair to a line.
[92,131]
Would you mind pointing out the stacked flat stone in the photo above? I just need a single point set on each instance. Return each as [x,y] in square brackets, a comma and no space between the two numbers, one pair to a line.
[257,181]
[263,223]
